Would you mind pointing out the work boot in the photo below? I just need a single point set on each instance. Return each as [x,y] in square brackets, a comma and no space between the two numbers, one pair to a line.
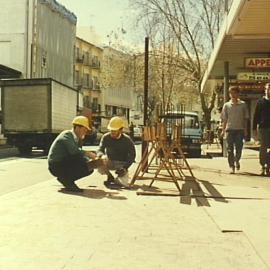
[237,165]
[111,183]
[232,171]
[263,171]
[267,171]
[71,187]
[110,179]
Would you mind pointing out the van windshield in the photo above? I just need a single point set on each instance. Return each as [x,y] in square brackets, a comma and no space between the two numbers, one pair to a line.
[187,121]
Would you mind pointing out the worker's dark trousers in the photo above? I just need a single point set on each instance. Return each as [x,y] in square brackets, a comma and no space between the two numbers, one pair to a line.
[235,139]
[265,145]
[70,169]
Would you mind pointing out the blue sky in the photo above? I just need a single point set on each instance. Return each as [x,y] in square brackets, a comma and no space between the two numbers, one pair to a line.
[104,15]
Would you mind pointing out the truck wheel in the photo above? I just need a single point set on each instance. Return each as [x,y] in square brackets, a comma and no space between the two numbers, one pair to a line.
[46,149]
[25,149]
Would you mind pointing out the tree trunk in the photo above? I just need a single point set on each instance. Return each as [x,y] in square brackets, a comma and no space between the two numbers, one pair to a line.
[207,119]
[207,109]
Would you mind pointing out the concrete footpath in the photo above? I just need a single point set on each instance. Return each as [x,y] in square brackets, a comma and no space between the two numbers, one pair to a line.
[220,221]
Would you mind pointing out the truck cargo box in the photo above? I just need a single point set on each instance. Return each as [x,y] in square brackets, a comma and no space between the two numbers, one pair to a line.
[36,106]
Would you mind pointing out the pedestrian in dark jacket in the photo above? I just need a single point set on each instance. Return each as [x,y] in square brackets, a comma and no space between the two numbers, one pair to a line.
[261,127]
[66,159]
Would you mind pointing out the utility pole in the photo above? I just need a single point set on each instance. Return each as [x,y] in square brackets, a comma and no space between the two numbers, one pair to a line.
[226,6]
[145,102]
[225,98]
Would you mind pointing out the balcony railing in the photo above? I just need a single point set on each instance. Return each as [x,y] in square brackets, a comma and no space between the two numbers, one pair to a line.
[95,64]
[96,86]
[88,84]
[96,108]
[79,58]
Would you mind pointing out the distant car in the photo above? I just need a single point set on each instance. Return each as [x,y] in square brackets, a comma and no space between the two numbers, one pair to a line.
[137,133]
[191,134]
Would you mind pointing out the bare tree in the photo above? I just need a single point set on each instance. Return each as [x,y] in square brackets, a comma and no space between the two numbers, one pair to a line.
[194,24]
[166,79]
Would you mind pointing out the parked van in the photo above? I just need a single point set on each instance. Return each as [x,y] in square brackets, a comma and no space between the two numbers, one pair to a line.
[191,139]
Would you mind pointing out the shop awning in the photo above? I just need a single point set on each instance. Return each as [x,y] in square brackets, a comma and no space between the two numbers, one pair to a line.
[244,34]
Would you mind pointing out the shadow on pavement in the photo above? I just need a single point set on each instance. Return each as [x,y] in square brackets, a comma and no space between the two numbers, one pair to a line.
[145,188]
[252,174]
[214,154]
[96,194]
[192,190]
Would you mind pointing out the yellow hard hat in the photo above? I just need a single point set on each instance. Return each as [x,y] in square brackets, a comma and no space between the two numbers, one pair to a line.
[116,123]
[81,121]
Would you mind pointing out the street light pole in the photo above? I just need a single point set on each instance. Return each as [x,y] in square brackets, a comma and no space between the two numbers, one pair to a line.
[145,112]
[145,102]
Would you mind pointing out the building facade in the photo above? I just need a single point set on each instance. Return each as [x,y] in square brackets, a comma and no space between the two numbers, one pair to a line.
[117,82]
[87,75]
[37,38]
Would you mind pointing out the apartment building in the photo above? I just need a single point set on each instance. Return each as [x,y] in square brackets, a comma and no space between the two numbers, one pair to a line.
[87,75]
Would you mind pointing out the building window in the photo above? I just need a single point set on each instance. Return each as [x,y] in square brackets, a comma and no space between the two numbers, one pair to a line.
[86,80]
[77,77]
[108,111]
[95,106]
[77,52]
[87,60]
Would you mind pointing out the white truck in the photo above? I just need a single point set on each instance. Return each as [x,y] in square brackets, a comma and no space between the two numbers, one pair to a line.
[35,111]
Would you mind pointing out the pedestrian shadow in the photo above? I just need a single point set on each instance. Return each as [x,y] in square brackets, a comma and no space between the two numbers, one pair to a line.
[212,170]
[251,174]
[96,194]
[192,189]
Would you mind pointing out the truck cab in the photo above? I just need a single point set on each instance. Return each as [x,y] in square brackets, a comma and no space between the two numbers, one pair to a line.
[191,132]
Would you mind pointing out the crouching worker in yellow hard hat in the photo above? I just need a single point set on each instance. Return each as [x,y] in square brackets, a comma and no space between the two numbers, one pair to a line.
[66,160]
[118,152]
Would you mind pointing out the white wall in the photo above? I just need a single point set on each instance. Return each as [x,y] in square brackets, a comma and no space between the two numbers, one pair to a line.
[12,33]
[120,97]
[42,31]
[64,105]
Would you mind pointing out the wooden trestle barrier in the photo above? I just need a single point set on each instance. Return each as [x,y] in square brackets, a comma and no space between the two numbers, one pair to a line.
[167,155]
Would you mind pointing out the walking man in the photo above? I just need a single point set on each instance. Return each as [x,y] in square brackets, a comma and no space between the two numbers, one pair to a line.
[118,152]
[66,160]
[234,117]
[261,121]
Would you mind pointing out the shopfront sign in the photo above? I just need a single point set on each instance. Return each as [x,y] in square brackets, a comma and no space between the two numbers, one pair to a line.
[253,76]
[257,62]
[250,87]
